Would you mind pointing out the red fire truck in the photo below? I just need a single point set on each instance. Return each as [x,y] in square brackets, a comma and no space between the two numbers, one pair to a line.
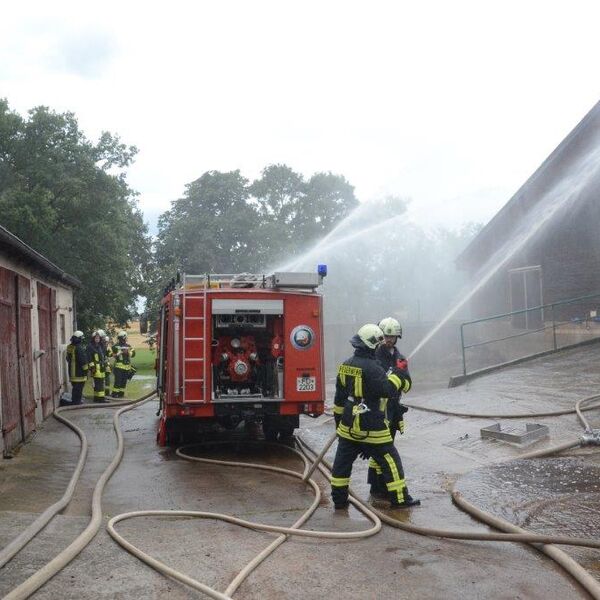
[243,347]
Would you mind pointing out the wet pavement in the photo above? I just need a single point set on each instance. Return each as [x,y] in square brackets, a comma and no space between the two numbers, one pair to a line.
[551,495]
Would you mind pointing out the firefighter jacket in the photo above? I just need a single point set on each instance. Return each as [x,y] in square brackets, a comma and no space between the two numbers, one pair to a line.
[361,395]
[389,361]
[96,359]
[123,354]
[108,354]
[77,363]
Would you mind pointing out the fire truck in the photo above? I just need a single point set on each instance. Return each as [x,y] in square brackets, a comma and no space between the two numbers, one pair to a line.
[243,347]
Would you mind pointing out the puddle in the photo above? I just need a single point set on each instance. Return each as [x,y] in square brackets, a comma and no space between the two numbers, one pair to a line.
[552,495]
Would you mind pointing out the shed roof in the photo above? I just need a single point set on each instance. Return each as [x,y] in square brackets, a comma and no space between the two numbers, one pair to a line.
[17,248]
[583,139]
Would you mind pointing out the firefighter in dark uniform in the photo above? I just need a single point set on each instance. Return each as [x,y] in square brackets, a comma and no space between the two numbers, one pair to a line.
[123,369]
[361,396]
[388,356]
[107,355]
[97,365]
[78,366]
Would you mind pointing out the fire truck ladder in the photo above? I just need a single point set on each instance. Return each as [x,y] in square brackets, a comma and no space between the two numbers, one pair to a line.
[194,338]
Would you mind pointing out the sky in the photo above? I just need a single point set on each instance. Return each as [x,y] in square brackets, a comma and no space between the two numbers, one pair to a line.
[450,104]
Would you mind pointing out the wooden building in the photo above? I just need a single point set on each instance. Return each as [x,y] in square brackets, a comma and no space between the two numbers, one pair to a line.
[543,246]
[36,323]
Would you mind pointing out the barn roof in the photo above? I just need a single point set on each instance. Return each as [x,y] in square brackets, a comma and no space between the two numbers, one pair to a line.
[583,139]
[14,247]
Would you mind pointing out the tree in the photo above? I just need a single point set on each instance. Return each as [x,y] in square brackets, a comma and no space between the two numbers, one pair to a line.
[210,229]
[69,199]
[294,213]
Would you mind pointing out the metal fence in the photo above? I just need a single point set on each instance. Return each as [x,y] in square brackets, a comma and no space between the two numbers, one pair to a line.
[524,333]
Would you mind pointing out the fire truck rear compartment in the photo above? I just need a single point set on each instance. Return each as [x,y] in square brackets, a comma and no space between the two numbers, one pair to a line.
[247,368]
[246,356]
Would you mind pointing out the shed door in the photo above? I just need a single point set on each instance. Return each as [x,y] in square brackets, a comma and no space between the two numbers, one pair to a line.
[25,350]
[44,319]
[16,358]
[56,379]
[12,430]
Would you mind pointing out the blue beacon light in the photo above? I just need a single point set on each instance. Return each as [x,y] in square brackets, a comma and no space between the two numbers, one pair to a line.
[322,270]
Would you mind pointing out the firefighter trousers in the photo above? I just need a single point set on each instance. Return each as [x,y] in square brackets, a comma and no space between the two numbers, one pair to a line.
[121,376]
[77,391]
[99,388]
[385,455]
[375,474]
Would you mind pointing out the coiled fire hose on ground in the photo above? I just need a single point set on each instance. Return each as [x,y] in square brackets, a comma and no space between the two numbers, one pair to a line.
[542,543]
[44,574]
[519,535]
[62,559]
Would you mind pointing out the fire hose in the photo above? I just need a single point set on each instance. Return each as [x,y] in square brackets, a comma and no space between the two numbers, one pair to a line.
[51,568]
[61,560]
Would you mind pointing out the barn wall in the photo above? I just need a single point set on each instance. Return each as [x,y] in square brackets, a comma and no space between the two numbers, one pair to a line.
[35,377]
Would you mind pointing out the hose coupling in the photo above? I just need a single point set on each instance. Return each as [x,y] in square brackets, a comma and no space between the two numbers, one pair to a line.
[591,437]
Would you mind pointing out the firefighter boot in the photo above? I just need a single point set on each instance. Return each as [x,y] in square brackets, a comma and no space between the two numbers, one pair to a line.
[408,501]
[379,492]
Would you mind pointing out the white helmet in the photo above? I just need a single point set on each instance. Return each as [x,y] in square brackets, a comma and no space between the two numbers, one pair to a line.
[371,335]
[101,333]
[122,334]
[391,327]
[78,334]
[106,338]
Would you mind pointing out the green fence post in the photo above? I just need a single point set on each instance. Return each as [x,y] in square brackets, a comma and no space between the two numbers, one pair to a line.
[462,345]
[554,328]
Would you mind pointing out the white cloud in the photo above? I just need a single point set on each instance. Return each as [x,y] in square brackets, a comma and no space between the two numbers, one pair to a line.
[453,104]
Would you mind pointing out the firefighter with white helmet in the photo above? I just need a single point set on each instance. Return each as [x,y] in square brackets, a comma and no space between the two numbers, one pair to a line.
[97,365]
[105,340]
[123,369]
[390,359]
[78,366]
[362,390]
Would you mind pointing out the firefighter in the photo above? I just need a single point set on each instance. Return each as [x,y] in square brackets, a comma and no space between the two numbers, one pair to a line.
[78,365]
[107,355]
[97,365]
[362,392]
[388,356]
[123,369]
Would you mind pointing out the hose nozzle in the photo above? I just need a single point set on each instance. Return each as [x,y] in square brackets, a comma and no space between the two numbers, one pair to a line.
[591,437]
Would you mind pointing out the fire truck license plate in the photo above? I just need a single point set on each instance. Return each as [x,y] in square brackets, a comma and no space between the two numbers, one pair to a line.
[306,384]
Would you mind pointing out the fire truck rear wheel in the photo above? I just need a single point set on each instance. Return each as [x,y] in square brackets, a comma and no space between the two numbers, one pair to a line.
[279,428]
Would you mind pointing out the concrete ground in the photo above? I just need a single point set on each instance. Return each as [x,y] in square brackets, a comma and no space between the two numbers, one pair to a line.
[559,495]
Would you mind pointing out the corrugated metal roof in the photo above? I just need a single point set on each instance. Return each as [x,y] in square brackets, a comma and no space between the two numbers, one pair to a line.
[19,249]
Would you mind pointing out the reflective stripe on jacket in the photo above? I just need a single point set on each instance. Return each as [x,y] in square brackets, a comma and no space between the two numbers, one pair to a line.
[96,359]
[123,354]
[362,383]
[77,363]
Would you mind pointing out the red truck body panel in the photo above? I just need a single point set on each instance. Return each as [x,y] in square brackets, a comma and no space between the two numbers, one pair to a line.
[233,353]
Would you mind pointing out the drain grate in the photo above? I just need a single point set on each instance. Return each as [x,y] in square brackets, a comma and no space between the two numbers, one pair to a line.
[532,433]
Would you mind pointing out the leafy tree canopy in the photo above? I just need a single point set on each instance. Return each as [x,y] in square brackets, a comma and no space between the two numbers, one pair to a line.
[68,198]
[225,224]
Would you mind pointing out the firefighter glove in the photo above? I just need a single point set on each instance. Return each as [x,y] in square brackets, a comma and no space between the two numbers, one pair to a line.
[402,363]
